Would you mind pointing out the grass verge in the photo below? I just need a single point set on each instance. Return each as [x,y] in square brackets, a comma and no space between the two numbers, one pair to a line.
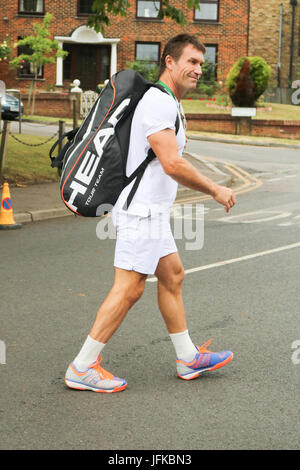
[265,111]
[244,138]
[49,119]
[28,164]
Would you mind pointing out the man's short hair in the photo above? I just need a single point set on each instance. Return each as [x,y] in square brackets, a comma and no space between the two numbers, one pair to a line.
[175,46]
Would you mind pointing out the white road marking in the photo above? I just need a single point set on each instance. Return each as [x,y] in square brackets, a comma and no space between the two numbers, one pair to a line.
[246,218]
[271,180]
[291,222]
[237,260]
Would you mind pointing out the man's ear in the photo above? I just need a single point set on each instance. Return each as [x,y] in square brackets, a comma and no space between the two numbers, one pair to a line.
[169,61]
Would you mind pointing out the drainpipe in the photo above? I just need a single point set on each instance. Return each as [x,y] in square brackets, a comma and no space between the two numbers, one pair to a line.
[248,27]
[294,4]
[279,48]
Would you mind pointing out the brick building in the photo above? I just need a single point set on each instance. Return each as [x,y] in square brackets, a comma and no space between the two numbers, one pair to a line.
[228,28]
[267,39]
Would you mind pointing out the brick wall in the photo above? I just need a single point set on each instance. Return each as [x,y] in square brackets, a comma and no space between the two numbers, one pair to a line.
[51,104]
[226,124]
[264,35]
[230,33]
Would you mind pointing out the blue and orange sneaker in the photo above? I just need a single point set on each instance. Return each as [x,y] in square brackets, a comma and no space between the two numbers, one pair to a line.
[204,360]
[94,378]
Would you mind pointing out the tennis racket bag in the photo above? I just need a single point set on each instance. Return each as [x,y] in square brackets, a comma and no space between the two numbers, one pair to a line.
[93,162]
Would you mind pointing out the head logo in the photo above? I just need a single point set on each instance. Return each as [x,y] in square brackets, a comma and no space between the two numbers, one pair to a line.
[90,161]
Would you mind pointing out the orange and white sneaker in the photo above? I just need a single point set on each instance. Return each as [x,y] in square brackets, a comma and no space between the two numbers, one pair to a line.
[94,378]
[204,360]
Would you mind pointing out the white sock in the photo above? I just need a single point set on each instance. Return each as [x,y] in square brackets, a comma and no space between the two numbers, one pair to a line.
[183,345]
[88,354]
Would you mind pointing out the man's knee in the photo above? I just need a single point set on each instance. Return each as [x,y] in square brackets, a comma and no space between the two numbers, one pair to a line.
[130,289]
[178,276]
[135,292]
[174,279]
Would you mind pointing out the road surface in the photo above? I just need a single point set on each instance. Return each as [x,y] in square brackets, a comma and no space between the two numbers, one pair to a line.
[241,289]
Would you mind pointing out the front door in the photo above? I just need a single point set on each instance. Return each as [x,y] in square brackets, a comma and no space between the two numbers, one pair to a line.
[89,63]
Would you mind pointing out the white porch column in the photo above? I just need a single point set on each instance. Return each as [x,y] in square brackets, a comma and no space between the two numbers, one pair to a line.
[113,58]
[59,68]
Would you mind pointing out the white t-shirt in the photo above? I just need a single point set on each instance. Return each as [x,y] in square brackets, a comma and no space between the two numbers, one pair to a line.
[157,191]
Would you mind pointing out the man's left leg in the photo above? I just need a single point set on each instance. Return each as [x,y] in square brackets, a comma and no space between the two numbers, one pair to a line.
[191,360]
[170,275]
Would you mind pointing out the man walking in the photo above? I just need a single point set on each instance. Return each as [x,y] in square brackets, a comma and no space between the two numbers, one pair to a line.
[145,244]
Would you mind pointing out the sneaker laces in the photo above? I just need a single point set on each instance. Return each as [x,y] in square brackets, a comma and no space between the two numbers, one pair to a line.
[103,373]
[203,348]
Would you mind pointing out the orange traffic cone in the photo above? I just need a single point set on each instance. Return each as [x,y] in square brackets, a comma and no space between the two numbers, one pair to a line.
[7,220]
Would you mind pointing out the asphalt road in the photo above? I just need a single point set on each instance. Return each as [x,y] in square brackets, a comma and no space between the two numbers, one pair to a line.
[36,128]
[54,274]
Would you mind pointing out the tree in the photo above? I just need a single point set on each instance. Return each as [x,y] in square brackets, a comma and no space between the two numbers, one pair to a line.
[103,9]
[42,51]
[5,50]
[247,80]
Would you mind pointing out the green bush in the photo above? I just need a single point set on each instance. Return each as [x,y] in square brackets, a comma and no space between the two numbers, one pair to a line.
[247,80]
[204,90]
[207,85]
[147,69]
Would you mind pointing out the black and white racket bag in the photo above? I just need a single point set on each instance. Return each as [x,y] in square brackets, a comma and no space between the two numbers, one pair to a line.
[93,162]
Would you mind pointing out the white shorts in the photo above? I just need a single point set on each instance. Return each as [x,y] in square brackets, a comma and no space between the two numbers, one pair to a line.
[142,241]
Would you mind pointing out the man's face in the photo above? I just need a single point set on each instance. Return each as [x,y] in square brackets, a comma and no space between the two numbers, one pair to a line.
[187,70]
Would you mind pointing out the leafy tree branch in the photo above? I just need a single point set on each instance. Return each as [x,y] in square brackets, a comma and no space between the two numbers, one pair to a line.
[42,50]
[103,10]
